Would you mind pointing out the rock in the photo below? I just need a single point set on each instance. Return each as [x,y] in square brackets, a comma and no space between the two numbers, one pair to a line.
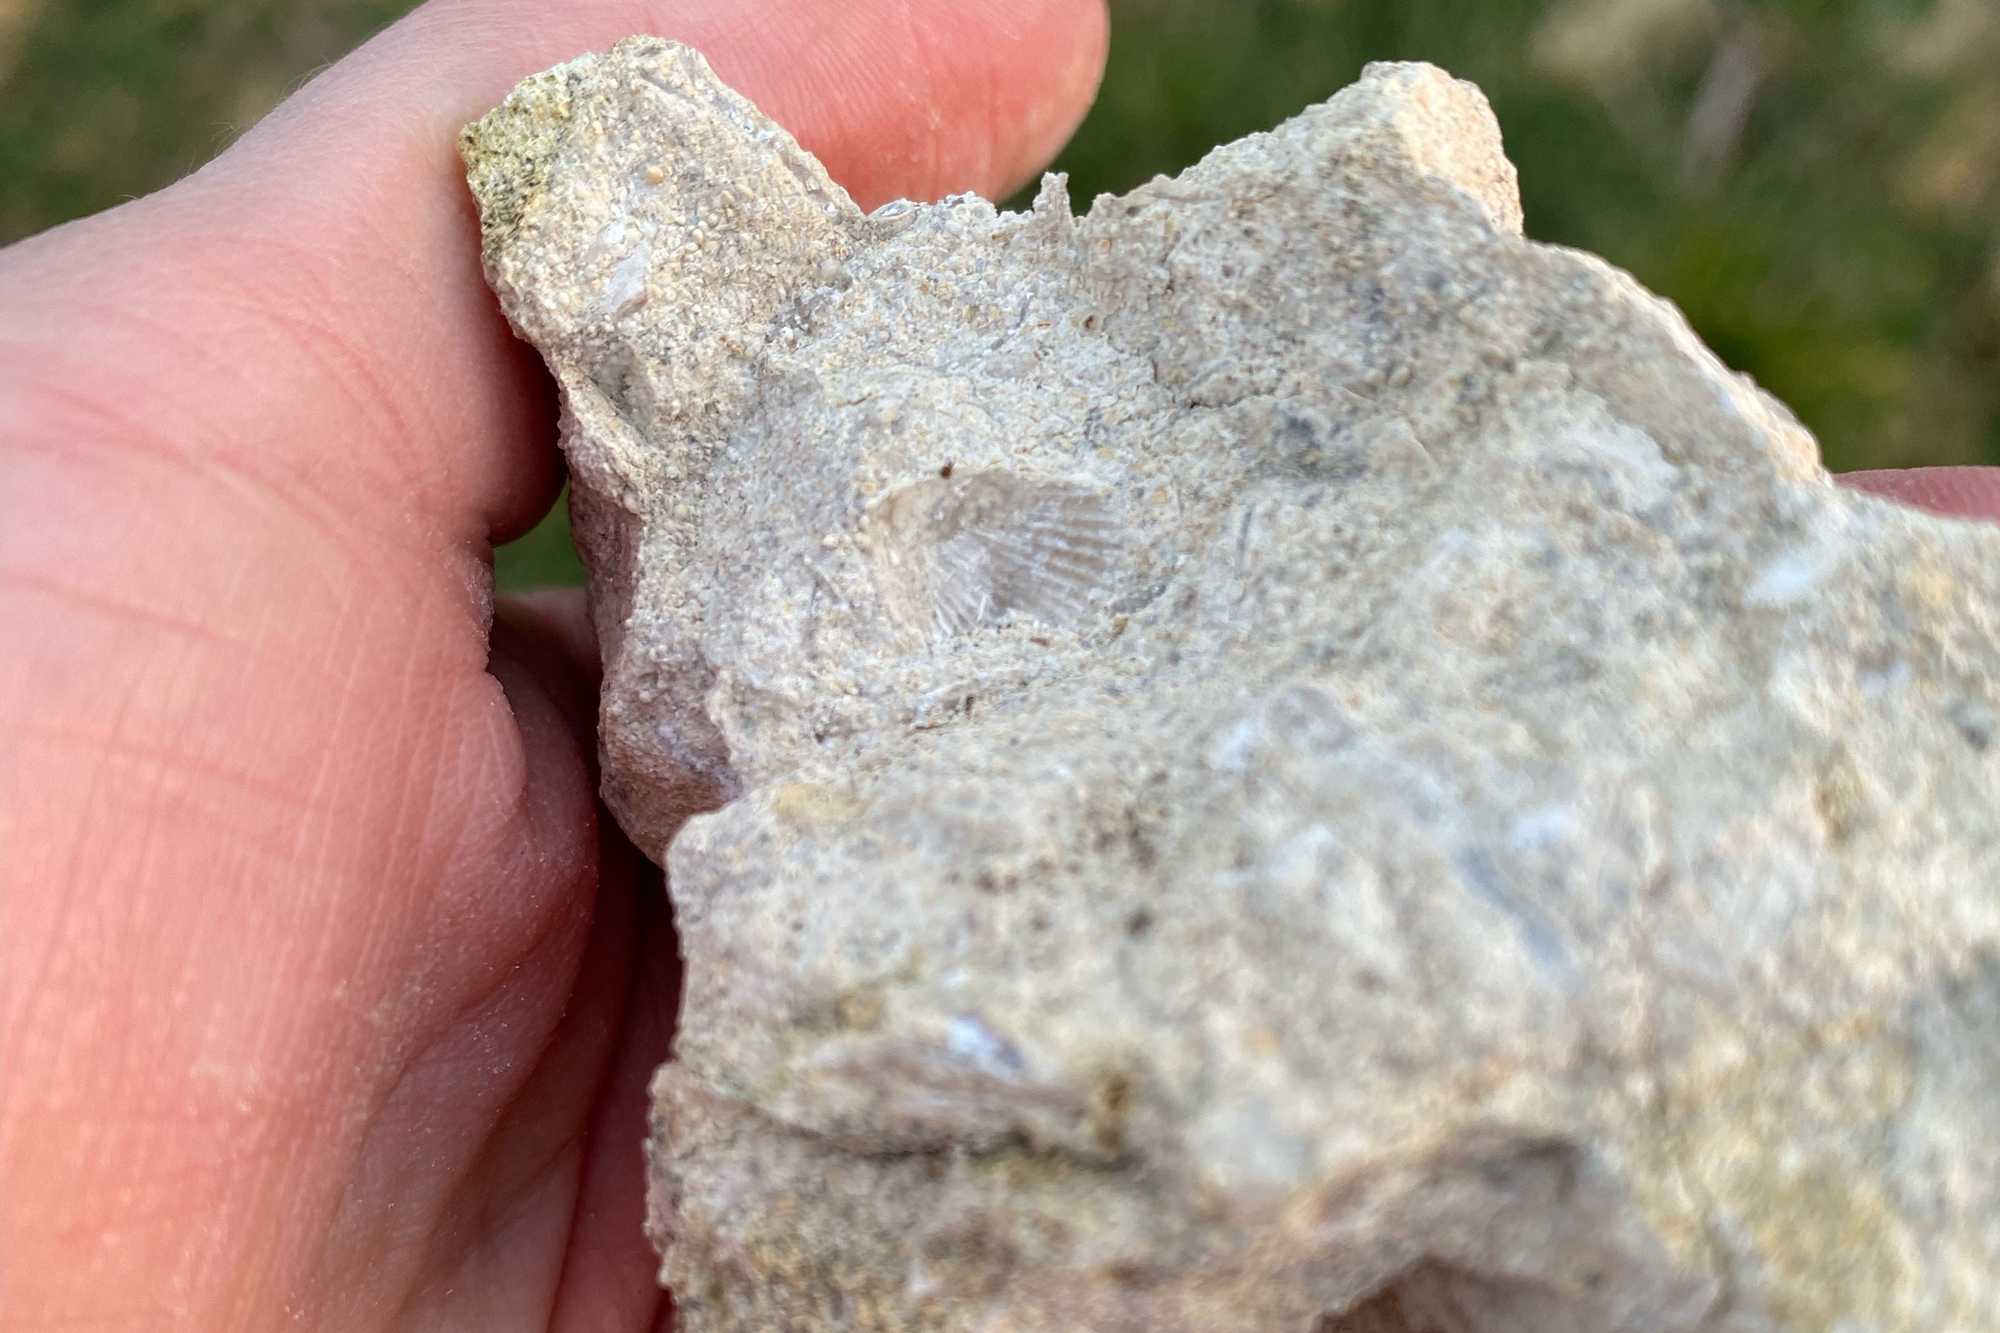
[1276,756]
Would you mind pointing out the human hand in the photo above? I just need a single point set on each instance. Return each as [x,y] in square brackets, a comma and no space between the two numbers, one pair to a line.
[330,994]
[329,997]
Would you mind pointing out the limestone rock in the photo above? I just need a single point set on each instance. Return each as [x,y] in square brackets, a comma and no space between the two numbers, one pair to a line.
[1276,756]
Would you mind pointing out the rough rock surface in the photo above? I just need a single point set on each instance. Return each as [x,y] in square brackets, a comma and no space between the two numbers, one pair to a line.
[1279,757]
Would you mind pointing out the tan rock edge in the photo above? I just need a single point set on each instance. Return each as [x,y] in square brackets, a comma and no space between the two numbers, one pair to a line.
[1277,756]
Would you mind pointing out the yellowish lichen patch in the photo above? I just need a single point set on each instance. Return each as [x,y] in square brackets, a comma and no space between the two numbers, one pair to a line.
[507,153]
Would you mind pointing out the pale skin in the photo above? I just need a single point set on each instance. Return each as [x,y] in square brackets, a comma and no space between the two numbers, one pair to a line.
[330,993]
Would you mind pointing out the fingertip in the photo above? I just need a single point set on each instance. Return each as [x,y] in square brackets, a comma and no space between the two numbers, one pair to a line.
[1956,492]
[898,98]
[922,100]
[1073,68]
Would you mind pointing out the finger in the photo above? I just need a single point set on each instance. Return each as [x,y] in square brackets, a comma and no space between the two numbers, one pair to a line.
[312,302]
[1960,492]
[608,1277]
[563,1162]
[896,98]
[551,1217]
[513,1049]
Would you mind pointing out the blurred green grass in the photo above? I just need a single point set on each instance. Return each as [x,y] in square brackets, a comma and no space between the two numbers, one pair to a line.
[1815,182]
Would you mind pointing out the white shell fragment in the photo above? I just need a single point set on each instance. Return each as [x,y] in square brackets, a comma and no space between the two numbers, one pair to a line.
[956,554]
[1277,756]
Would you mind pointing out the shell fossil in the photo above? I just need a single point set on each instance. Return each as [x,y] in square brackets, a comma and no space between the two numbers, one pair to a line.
[955,553]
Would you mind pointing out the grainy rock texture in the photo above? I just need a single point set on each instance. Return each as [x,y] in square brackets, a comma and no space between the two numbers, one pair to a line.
[1278,756]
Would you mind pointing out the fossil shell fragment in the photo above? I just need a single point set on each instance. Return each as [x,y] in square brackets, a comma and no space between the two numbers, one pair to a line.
[1384,791]
[953,554]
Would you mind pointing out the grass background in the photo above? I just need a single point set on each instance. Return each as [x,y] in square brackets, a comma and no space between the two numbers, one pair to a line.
[1815,182]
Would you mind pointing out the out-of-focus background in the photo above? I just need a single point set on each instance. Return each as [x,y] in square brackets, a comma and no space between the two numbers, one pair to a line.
[1815,182]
